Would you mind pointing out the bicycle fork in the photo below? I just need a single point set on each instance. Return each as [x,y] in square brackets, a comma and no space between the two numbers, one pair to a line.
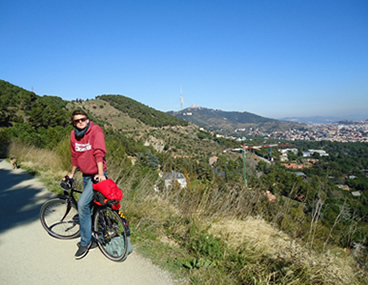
[68,207]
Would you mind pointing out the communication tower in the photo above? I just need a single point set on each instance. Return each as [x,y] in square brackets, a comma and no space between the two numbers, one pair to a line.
[181,98]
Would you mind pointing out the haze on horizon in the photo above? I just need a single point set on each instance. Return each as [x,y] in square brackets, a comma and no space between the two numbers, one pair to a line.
[272,58]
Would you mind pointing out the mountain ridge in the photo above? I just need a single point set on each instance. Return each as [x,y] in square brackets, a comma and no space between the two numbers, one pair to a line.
[29,102]
[229,121]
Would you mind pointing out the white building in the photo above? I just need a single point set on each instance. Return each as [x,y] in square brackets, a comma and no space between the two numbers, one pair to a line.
[310,152]
[172,176]
[320,152]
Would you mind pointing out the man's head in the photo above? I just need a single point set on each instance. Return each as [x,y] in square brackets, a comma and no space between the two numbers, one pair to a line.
[80,119]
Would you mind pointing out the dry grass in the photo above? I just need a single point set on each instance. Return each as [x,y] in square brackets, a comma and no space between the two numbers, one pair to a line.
[32,157]
[117,119]
[206,205]
[332,267]
[211,202]
[48,164]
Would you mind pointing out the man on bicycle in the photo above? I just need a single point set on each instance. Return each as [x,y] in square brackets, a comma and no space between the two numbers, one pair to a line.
[87,143]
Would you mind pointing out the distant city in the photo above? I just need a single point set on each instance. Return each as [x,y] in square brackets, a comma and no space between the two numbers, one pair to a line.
[326,119]
[338,132]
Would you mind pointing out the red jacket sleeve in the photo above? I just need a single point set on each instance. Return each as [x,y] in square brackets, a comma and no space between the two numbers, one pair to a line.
[72,149]
[99,147]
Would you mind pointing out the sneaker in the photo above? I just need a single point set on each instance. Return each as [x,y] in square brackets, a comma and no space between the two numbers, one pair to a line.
[92,245]
[81,252]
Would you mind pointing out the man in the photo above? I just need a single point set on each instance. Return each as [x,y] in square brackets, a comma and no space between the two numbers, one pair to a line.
[87,143]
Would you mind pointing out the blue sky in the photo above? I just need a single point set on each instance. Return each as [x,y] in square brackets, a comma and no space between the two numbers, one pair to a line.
[272,58]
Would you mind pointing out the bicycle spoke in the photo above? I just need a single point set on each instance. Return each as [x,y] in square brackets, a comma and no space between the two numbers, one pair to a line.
[60,219]
[111,234]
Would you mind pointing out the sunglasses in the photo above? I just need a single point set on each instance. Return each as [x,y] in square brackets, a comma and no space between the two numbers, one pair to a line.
[80,120]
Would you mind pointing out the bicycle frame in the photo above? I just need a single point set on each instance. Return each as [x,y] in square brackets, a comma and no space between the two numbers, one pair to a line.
[59,217]
[71,199]
[96,207]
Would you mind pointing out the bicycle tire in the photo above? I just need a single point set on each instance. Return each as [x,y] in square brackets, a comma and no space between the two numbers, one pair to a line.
[111,234]
[60,219]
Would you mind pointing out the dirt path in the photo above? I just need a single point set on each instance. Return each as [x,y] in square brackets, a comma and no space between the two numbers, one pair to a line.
[28,255]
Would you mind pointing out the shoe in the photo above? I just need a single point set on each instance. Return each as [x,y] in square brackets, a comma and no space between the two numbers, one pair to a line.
[91,246]
[81,252]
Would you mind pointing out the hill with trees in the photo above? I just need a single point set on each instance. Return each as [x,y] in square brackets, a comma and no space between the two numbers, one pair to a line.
[211,230]
[145,114]
[18,105]
[228,122]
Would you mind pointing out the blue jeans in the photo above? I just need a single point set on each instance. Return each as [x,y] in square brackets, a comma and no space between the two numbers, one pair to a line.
[85,210]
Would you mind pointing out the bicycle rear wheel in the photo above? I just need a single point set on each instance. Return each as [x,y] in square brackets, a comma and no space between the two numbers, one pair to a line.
[111,235]
[59,217]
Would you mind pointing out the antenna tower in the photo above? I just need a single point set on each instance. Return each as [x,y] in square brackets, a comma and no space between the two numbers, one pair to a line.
[181,98]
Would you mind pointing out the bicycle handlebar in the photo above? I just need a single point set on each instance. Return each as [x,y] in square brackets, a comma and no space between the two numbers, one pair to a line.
[67,183]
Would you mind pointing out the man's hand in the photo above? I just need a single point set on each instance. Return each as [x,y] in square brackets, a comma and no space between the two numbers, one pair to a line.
[69,175]
[100,178]
[67,183]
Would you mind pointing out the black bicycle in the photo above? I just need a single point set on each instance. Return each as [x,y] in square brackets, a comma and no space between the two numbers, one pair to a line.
[59,217]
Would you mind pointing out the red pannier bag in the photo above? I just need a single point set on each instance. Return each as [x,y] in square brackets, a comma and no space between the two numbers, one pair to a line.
[111,194]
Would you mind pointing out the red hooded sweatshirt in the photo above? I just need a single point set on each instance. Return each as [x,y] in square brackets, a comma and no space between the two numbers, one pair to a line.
[89,149]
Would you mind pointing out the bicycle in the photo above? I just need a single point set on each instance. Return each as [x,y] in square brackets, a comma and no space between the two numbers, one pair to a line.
[59,217]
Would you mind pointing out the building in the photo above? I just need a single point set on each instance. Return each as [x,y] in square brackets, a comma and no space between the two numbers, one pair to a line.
[300,174]
[294,166]
[356,194]
[173,176]
[344,187]
[319,151]
[284,153]
[286,150]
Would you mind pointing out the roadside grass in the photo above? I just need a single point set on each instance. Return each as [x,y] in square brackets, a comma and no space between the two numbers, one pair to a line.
[46,164]
[212,248]
[207,234]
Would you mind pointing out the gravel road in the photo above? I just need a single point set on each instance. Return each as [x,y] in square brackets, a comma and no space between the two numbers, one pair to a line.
[28,255]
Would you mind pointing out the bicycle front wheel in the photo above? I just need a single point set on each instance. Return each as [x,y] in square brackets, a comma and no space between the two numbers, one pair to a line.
[59,217]
[111,235]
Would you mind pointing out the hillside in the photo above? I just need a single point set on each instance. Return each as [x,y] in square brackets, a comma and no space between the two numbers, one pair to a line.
[199,230]
[31,118]
[228,122]
[145,114]
[20,105]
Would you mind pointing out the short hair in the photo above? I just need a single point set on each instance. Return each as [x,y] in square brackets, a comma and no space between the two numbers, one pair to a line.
[79,112]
